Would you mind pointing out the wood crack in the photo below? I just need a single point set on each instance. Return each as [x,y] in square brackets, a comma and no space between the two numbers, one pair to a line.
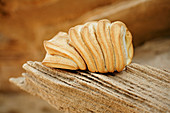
[137,89]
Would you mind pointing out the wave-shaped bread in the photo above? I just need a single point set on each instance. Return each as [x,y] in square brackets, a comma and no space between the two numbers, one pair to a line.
[100,46]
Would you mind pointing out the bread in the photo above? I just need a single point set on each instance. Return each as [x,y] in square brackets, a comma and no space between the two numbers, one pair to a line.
[58,46]
[99,46]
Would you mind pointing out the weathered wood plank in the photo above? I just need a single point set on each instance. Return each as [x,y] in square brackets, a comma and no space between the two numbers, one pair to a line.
[34,22]
[137,89]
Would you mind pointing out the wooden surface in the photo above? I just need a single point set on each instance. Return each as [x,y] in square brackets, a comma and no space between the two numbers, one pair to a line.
[23,103]
[153,56]
[25,24]
[137,89]
[154,53]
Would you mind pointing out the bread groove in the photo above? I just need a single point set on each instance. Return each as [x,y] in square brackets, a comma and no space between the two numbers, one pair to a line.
[99,46]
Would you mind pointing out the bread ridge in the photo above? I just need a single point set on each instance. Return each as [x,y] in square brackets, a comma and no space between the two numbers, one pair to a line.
[99,46]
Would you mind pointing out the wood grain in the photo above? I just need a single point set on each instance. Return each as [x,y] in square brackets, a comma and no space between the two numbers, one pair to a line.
[137,89]
[25,24]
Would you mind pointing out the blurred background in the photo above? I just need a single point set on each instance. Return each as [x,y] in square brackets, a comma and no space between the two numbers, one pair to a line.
[24,24]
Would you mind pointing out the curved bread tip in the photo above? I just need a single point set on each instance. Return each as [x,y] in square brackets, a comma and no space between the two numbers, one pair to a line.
[59,46]
[89,37]
[122,40]
[115,35]
[130,54]
[103,36]
[59,62]
[77,41]
[129,46]
[128,40]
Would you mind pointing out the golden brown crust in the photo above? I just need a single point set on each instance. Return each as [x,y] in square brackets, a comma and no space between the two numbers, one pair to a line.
[122,42]
[115,34]
[59,62]
[103,36]
[101,46]
[59,46]
[77,41]
[89,37]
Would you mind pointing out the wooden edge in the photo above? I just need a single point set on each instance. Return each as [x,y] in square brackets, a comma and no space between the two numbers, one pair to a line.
[137,89]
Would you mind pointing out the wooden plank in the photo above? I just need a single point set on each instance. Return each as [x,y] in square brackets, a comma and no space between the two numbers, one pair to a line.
[137,89]
[39,20]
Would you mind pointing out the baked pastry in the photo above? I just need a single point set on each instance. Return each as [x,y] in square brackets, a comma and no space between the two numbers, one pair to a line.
[99,46]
